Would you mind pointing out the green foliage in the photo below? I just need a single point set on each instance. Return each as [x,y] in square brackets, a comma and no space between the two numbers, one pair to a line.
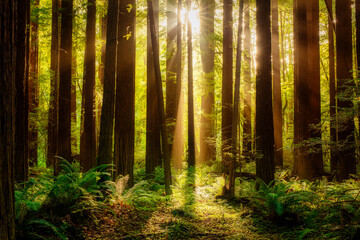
[48,206]
[320,207]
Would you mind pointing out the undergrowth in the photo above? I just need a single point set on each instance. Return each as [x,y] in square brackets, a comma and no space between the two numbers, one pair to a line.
[301,209]
[61,207]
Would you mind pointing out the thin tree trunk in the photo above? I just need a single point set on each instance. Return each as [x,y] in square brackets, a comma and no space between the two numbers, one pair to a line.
[278,116]
[7,117]
[207,125]
[235,118]
[333,122]
[247,129]
[125,92]
[107,111]
[178,151]
[101,74]
[64,128]
[171,81]
[34,87]
[227,82]
[74,137]
[264,121]
[153,147]
[21,122]
[54,86]
[88,149]
[164,138]
[191,130]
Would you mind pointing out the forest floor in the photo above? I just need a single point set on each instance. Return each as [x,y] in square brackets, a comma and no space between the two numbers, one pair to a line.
[205,219]
[190,213]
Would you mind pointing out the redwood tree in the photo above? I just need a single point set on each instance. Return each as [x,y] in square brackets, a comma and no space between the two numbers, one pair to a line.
[247,129]
[21,122]
[171,81]
[34,85]
[64,128]
[153,147]
[346,164]
[207,47]
[227,82]
[54,85]
[125,91]
[264,122]
[107,110]
[7,117]
[191,130]
[160,98]
[88,149]
[278,116]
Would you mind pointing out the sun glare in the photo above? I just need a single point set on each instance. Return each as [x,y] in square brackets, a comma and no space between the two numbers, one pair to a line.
[194,18]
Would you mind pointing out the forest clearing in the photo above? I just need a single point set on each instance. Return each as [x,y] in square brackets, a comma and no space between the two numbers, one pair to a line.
[179,119]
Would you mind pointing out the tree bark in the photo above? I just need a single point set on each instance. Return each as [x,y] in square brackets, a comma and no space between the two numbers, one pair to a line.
[125,92]
[54,86]
[278,116]
[21,122]
[171,81]
[207,135]
[153,147]
[333,122]
[88,149]
[230,187]
[160,98]
[346,164]
[191,130]
[34,86]
[107,110]
[227,82]
[8,13]
[64,128]
[264,121]
[247,129]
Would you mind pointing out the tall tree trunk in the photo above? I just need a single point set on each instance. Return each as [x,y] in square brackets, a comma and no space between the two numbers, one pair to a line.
[227,83]
[302,90]
[21,122]
[278,116]
[125,91]
[264,122]
[296,86]
[315,164]
[160,98]
[64,128]
[153,147]
[357,16]
[191,130]
[178,151]
[34,86]
[7,117]
[74,81]
[347,162]
[107,111]
[307,90]
[230,187]
[101,74]
[207,135]
[54,86]
[171,83]
[88,149]
[333,122]
[247,129]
